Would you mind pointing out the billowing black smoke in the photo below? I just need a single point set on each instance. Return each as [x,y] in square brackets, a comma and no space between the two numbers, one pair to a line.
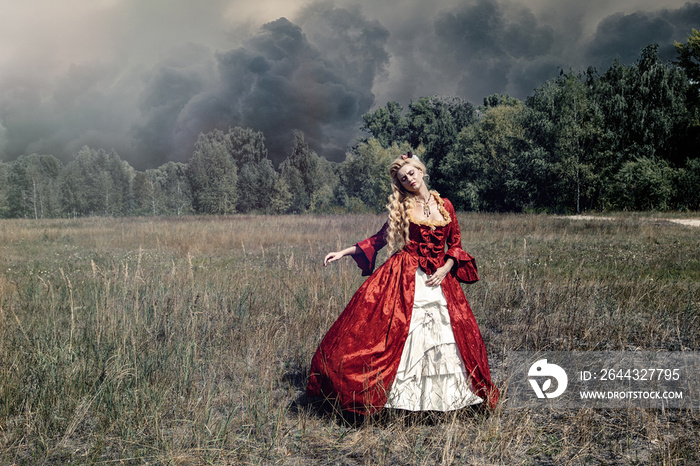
[278,82]
[186,70]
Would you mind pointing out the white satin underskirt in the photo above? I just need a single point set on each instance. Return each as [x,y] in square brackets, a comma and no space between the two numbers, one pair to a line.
[431,375]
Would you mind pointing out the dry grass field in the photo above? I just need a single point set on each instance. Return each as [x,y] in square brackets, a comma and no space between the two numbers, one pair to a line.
[188,340]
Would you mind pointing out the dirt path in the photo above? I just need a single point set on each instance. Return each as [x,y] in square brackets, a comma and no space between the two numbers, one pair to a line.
[692,222]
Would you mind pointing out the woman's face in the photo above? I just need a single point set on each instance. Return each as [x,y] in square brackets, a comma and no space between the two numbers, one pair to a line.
[410,177]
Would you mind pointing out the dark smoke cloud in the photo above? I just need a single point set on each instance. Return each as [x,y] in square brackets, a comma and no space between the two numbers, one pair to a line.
[622,36]
[154,75]
[471,49]
[487,46]
[83,108]
[478,47]
[163,131]
[279,81]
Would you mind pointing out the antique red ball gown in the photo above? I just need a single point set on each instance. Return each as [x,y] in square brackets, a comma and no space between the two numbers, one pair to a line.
[400,343]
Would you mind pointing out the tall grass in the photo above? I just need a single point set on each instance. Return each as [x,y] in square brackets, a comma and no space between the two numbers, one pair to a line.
[187,341]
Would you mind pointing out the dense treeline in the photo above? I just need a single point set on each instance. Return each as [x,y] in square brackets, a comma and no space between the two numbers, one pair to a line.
[627,139]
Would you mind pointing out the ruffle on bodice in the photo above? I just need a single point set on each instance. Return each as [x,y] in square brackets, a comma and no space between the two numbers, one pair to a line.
[428,246]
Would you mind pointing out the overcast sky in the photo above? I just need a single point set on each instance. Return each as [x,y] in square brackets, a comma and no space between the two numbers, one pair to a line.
[145,77]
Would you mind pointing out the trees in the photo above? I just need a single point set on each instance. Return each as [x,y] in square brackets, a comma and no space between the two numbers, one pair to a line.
[96,182]
[646,121]
[688,194]
[303,175]
[646,183]
[258,182]
[162,191]
[431,123]
[386,124]
[365,173]
[489,163]
[434,123]
[689,60]
[644,108]
[4,171]
[626,139]
[213,175]
[144,194]
[171,179]
[32,186]
[230,172]
[567,124]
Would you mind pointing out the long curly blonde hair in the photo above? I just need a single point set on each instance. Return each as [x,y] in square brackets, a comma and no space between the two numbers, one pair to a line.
[400,204]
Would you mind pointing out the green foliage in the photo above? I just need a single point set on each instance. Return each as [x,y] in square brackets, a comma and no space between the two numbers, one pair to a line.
[496,100]
[386,124]
[646,183]
[281,197]
[32,186]
[324,198]
[309,178]
[144,194]
[365,173]
[4,188]
[96,182]
[163,191]
[570,136]
[487,160]
[689,61]
[431,125]
[171,190]
[644,109]
[689,58]
[688,193]
[258,182]
[213,174]
[434,123]
[246,145]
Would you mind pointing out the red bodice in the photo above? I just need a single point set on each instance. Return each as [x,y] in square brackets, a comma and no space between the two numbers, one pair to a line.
[427,245]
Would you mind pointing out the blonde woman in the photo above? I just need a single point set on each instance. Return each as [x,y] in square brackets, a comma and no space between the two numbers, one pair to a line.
[408,338]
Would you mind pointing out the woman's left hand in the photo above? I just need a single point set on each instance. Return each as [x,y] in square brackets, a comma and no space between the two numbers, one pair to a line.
[439,275]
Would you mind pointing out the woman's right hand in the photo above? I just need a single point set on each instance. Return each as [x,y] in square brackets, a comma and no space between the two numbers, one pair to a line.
[332,257]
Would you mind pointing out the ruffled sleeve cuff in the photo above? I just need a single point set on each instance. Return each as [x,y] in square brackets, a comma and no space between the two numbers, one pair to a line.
[465,265]
[366,259]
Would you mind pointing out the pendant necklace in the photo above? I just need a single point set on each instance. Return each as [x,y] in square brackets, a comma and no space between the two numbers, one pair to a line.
[426,208]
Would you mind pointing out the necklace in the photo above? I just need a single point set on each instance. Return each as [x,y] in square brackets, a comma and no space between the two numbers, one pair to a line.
[426,207]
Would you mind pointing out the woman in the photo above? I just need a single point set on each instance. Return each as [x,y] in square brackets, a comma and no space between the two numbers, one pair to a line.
[408,338]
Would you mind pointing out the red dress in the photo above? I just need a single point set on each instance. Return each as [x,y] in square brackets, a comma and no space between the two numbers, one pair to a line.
[357,361]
